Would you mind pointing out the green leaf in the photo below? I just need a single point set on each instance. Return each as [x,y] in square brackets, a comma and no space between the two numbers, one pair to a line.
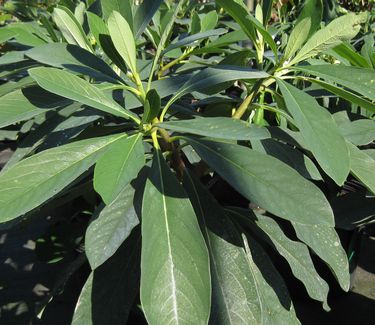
[175,276]
[277,307]
[143,15]
[34,180]
[70,86]
[362,167]
[224,40]
[290,156]
[319,131]
[217,75]
[341,29]
[248,23]
[110,291]
[152,106]
[260,177]
[75,59]
[312,9]
[297,256]
[24,104]
[297,37]
[218,127]
[360,132]
[356,79]
[123,39]
[100,31]
[346,52]
[118,167]
[341,92]
[70,28]
[209,21]
[124,7]
[193,39]
[325,242]
[235,298]
[111,226]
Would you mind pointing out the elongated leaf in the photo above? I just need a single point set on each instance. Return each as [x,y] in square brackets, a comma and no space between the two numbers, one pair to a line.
[193,39]
[341,92]
[123,39]
[259,177]
[297,37]
[277,307]
[359,80]
[175,276]
[215,76]
[34,180]
[248,23]
[325,242]
[143,15]
[109,292]
[312,9]
[111,227]
[344,52]
[319,131]
[341,29]
[118,166]
[298,257]
[362,167]
[124,7]
[218,127]
[70,86]
[152,106]
[73,58]
[225,40]
[235,298]
[359,132]
[70,28]
[290,156]
[100,31]
[23,104]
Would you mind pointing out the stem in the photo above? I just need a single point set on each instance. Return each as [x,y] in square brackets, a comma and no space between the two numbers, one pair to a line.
[155,139]
[250,98]
[174,62]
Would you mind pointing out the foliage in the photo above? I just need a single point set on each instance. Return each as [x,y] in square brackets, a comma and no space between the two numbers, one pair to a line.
[205,138]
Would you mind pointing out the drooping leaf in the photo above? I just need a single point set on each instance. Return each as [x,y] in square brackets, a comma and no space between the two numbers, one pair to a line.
[297,255]
[235,298]
[356,79]
[70,28]
[118,167]
[218,127]
[362,167]
[109,292]
[325,242]
[70,86]
[34,180]
[297,37]
[111,227]
[276,305]
[73,58]
[123,39]
[175,276]
[319,131]
[23,104]
[341,29]
[259,177]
